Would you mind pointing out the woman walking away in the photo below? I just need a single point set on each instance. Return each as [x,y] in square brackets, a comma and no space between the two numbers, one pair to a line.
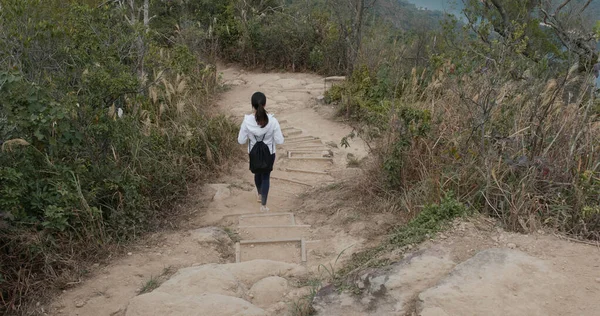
[262,132]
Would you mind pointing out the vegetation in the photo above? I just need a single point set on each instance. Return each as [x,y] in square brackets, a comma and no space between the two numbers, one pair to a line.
[431,220]
[102,128]
[104,116]
[154,282]
[503,115]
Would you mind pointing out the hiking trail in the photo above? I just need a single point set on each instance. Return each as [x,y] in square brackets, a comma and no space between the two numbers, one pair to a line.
[310,157]
[233,260]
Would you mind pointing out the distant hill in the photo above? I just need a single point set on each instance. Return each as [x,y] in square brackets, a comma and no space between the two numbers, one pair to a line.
[408,16]
[411,14]
[449,6]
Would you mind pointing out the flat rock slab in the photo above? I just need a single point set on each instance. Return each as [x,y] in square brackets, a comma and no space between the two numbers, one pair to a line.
[387,291]
[495,282]
[273,232]
[160,304]
[269,291]
[219,290]
[266,219]
[283,251]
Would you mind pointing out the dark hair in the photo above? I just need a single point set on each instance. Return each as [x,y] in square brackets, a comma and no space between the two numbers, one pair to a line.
[259,100]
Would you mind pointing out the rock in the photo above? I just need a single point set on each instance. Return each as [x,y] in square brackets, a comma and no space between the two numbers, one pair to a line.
[250,272]
[202,280]
[79,304]
[222,191]
[219,288]
[321,99]
[210,235]
[332,144]
[598,280]
[129,254]
[386,291]
[327,153]
[511,245]
[278,309]
[493,282]
[158,303]
[269,291]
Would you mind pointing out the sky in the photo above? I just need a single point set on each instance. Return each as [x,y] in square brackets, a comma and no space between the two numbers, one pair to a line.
[441,5]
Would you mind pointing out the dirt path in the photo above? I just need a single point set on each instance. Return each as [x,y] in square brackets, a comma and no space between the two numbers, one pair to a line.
[233,260]
[315,161]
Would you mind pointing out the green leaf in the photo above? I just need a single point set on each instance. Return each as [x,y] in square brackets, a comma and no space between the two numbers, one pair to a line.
[38,135]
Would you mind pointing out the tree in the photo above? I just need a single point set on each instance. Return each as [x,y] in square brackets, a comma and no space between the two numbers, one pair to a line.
[568,29]
[350,16]
[534,28]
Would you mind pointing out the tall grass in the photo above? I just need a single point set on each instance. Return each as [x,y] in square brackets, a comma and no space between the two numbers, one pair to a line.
[522,150]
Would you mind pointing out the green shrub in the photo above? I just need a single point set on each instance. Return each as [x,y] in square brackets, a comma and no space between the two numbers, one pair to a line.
[428,222]
[76,177]
[334,94]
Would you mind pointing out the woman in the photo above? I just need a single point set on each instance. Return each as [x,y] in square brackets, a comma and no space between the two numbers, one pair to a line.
[263,127]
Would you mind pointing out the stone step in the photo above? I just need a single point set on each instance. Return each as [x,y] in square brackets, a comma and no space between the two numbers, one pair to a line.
[271,218]
[291,132]
[273,231]
[302,142]
[291,250]
[307,171]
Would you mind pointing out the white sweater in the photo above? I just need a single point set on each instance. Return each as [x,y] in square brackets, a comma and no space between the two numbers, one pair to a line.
[250,130]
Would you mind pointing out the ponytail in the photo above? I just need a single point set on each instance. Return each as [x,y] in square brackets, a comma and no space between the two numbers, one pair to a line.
[259,100]
[261,116]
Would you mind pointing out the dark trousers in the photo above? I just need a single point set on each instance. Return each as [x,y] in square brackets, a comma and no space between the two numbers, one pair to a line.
[263,183]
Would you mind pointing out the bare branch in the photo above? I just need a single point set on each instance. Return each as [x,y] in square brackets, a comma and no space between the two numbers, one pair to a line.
[585,6]
[560,7]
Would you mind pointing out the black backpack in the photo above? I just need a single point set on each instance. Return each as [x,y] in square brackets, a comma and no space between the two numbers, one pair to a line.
[260,157]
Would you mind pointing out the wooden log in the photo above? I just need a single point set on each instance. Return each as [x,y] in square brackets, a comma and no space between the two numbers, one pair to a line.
[291,181]
[270,241]
[312,158]
[291,139]
[307,171]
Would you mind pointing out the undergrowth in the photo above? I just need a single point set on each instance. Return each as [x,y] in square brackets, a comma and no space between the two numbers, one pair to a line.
[102,131]
[431,220]
[155,281]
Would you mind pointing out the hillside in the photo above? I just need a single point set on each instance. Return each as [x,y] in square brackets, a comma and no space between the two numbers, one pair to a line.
[407,16]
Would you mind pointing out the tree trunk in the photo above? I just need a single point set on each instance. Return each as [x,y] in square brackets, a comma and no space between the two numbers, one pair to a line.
[139,42]
[356,36]
[147,15]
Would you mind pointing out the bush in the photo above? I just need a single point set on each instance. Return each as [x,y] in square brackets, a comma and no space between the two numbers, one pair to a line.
[102,131]
[514,149]
[429,221]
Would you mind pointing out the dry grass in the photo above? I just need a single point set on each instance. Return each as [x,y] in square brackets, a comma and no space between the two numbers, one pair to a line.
[516,150]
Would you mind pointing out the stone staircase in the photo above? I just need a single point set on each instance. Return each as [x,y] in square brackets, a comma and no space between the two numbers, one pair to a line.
[278,235]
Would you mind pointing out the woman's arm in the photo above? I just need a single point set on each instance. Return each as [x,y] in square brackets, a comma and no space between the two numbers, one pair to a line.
[243,135]
[278,135]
